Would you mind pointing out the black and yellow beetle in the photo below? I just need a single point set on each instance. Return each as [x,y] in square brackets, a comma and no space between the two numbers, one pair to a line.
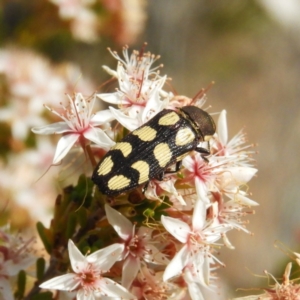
[147,152]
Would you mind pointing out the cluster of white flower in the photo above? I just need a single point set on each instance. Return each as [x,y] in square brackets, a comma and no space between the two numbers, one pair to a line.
[16,254]
[31,82]
[127,18]
[172,258]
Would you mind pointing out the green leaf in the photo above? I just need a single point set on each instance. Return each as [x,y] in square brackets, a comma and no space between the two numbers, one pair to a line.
[21,284]
[45,236]
[42,296]
[40,268]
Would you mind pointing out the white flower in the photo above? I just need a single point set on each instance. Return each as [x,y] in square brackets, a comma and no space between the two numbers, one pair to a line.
[139,93]
[15,255]
[233,148]
[138,65]
[86,278]
[150,286]
[79,124]
[157,189]
[138,245]
[196,238]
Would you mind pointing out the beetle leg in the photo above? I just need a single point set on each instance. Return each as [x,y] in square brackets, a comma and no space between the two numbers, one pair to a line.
[204,152]
[161,176]
[144,189]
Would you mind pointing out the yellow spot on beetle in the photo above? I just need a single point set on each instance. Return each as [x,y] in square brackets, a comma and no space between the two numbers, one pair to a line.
[169,119]
[146,133]
[207,138]
[163,154]
[184,136]
[105,166]
[124,147]
[143,168]
[118,182]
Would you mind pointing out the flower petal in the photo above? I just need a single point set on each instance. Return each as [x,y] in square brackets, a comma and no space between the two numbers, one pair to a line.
[131,267]
[110,288]
[102,117]
[64,144]
[98,136]
[189,163]
[65,282]
[193,287]
[244,200]
[6,290]
[128,122]
[55,128]
[176,265]
[199,215]
[154,256]
[106,257]
[222,128]
[112,98]
[201,190]
[179,229]
[122,225]
[110,71]
[76,257]
[85,295]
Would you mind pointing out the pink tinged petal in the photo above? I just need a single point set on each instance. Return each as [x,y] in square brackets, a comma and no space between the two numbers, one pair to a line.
[101,117]
[129,123]
[179,229]
[64,145]
[55,128]
[222,128]
[98,136]
[131,267]
[76,258]
[112,98]
[121,224]
[176,265]
[199,215]
[106,257]
[5,289]
[110,288]
[65,282]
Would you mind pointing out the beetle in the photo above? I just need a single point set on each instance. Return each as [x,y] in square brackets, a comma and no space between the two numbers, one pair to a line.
[147,152]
